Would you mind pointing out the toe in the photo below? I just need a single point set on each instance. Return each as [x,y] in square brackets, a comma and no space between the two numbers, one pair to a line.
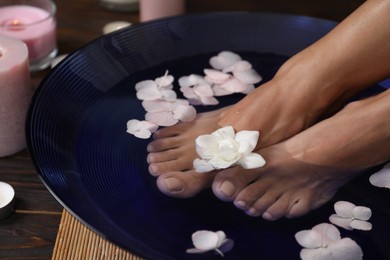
[184,184]
[164,156]
[164,144]
[280,208]
[228,183]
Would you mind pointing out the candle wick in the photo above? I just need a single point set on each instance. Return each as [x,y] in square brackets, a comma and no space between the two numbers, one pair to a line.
[13,24]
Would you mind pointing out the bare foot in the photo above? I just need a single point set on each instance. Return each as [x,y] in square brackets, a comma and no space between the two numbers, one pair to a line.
[305,171]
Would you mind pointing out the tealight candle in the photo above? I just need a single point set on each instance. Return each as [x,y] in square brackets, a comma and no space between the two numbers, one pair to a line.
[7,194]
[15,94]
[32,22]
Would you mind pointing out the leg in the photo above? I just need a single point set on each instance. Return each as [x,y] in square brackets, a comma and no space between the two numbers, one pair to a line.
[305,171]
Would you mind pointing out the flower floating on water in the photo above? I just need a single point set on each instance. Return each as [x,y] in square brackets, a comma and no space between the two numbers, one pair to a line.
[205,241]
[382,177]
[350,216]
[141,129]
[225,148]
[323,242]
[197,90]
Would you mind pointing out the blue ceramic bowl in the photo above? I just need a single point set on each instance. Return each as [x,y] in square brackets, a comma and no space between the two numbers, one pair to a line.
[76,131]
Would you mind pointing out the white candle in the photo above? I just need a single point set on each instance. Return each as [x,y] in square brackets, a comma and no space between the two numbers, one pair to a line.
[7,194]
[15,94]
[35,25]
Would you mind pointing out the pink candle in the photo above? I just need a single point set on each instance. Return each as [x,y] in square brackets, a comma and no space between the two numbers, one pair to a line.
[33,25]
[154,9]
[15,94]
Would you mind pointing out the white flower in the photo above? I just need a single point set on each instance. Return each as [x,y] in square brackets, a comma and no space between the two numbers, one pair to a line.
[323,242]
[205,241]
[349,216]
[141,129]
[382,177]
[197,90]
[223,149]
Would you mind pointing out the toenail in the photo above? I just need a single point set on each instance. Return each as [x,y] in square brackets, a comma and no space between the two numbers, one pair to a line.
[240,204]
[227,188]
[173,184]
[252,212]
[267,216]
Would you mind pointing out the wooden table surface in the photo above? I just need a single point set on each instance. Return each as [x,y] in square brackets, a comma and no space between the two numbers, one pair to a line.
[30,232]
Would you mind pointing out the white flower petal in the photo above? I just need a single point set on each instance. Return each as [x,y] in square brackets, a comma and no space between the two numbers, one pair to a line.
[205,240]
[247,76]
[382,177]
[184,113]
[156,105]
[206,146]
[362,213]
[196,251]
[249,137]
[251,161]
[344,209]
[309,238]
[249,89]
[329,232]
[316,254]
[361,225]
[345,249]
[221,237]
[202,166]
[224,59]
[161,118]
[224,132]
[341,222]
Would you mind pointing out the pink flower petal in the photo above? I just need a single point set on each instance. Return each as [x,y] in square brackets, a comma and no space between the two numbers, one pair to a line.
[224,59]
[317,254]
[208,101]
[382,177]
[184,113]
[168,95]
[148,93]
[238,66]
[341,222]
[203,90]
[344,209]
[345,249]
[249,89]
[219,91]
[247,76]
[145,84]
[234,85]
[362,213]
[309,239]
[191,80]
[161,118]
[141,129]
[157,105]
[361,225]
[165,81]
[216,76]
[328,231]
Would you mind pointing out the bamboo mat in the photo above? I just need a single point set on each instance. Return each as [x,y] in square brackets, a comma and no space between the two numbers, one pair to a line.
[76,241]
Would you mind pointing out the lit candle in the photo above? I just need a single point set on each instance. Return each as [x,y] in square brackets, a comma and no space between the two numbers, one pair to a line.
[35,25]
[15,94]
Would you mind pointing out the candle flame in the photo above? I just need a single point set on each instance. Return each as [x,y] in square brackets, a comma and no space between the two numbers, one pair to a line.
[13,24]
